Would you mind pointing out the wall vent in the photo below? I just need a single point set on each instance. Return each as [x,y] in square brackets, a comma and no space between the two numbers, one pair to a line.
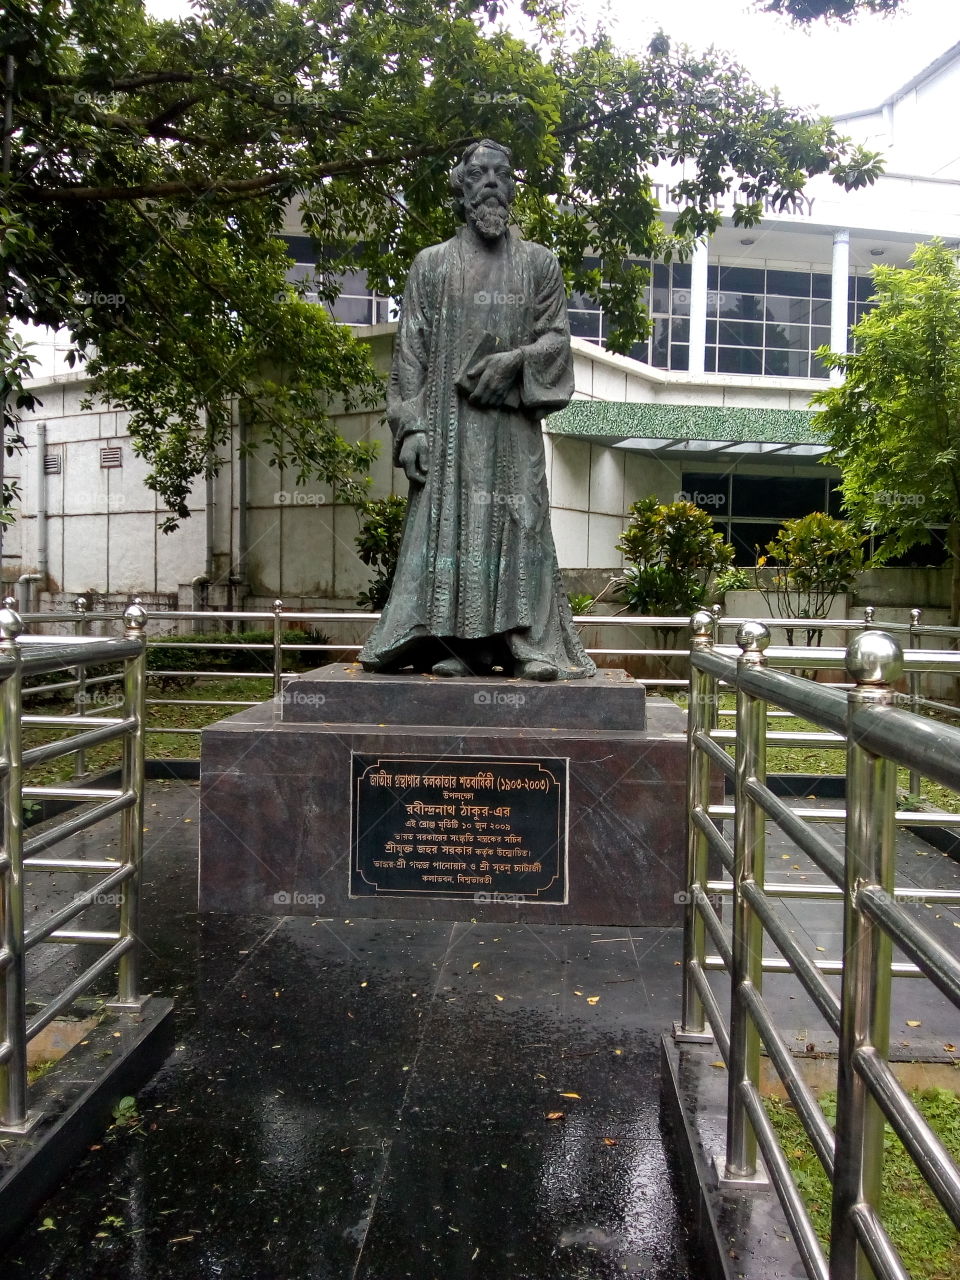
[52,464]
[112,457]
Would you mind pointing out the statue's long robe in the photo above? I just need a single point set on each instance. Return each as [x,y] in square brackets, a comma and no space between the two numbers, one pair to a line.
[477,558]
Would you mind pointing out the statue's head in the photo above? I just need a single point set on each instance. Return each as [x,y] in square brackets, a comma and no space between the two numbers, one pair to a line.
[483,187]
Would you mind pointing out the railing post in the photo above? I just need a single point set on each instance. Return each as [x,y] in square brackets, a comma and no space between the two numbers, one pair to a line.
[80,697]
[747,943]
[913,684]
[132,779]
[874,662]
[701,717]
[277,647]
[13,1022]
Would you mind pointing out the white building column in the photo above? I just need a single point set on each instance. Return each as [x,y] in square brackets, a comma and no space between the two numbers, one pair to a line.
[839,296]
[698,307]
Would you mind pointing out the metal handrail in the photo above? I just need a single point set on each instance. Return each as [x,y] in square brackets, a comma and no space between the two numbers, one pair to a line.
[21,655]
[879,737]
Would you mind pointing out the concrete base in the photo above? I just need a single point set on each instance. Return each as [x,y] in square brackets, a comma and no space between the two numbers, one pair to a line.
[275,817]
[742,1231]
[74,1104]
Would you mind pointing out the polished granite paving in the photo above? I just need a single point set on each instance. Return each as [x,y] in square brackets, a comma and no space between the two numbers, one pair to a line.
[379,1100]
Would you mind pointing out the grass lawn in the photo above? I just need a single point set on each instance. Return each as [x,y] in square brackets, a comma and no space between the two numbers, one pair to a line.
[924,1235]
[824,760]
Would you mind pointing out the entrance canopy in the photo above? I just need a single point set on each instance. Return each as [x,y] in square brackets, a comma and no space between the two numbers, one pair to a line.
[693,430]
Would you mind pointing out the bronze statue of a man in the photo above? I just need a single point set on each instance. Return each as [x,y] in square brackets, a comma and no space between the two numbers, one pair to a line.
[482,355]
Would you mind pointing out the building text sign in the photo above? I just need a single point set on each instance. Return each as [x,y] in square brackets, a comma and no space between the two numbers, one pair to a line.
[487,828]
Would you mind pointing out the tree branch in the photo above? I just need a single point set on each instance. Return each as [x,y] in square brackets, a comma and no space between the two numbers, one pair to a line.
[238,186]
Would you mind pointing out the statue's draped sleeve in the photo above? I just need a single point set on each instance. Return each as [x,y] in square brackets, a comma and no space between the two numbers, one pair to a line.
[547,379]
[407,392]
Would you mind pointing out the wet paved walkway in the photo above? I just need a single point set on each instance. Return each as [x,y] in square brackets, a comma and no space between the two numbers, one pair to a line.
[380,1100]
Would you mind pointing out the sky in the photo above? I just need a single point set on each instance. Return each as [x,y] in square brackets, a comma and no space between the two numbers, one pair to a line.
[829,67]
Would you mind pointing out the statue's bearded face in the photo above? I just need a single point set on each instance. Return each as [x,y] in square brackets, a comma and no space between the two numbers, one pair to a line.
[487,191]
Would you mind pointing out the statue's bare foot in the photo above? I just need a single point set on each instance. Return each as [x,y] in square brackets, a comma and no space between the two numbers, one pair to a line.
[451,667]
[534,670]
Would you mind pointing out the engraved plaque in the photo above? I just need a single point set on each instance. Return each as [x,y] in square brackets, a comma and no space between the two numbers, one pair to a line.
[487,828]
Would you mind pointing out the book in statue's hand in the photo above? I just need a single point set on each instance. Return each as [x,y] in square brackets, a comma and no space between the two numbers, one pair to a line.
[469,374]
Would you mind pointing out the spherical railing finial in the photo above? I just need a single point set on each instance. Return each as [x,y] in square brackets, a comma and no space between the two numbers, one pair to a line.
[753,637]
[915,617]
[701,624]
[869,613]
[135,617]
[874,658]
[10,602]
[277,606]
[11,624]
[80,604]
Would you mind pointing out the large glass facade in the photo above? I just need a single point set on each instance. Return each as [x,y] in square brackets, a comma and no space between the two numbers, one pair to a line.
[750,509]
[762,321]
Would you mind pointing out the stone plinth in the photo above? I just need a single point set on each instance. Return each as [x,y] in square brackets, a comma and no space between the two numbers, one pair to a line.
[310,815]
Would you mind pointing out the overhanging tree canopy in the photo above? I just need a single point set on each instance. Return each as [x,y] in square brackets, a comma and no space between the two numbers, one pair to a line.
[804,11]
[152,164]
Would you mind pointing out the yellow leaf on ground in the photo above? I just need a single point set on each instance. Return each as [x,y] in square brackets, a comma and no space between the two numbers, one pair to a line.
[592,999]
[500,998]
[913,1022]
[555,1115]
[569,1095]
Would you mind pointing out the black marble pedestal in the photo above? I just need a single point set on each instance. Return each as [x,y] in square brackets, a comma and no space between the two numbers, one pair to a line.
[577,788]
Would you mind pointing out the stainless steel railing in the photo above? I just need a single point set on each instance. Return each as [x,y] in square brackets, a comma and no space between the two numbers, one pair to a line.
[877,738]
[88,690]
[115,878]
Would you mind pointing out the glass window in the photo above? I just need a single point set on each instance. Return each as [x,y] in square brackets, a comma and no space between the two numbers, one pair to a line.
[865,288]
[741,279]
[819,337]
[793,284]
[585,324]
[787,310]
[352,310]
[712,492]
[680,331]
[739,360]
[820,313]
[740,306]
[713,277]
[750,540]
[681,302]
[821,285]
[681,275]
[679,356]
[781,497]
[795,336]
[734,333]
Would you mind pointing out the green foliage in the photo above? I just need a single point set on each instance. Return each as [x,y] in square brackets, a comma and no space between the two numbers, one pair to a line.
[920,1230]
[579,602]
[894,422]
[804,11]
[378,545]
[732,579]
[153,164]
[815,558]
[671,550]
[174,653]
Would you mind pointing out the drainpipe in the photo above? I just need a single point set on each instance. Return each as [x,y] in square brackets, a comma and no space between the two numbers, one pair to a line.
[238,575]
[839,297]
[42,552]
